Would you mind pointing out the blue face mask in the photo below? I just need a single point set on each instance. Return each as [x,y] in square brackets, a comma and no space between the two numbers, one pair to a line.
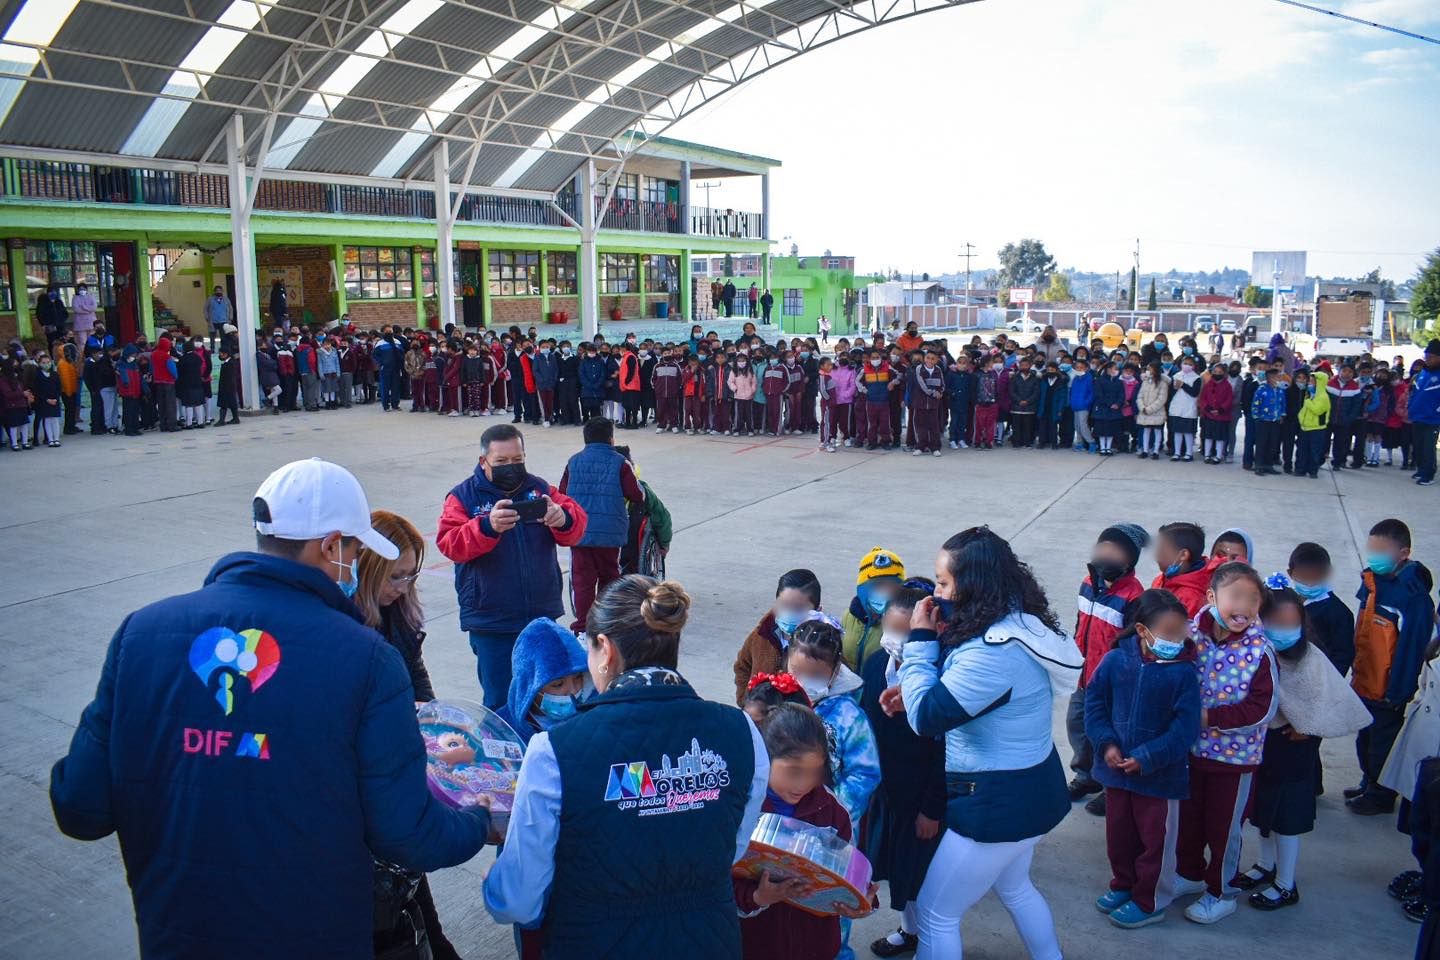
[946,608]
[555,707]
[348,587]
[872,600]
[1381,564]
[1308,592]
[787,620]
[1282,638]
[1066,368]
[1173,569]
[1189,351]
[1166,649]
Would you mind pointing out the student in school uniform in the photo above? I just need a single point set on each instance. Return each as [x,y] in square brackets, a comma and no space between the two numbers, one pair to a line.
[927,393]
[692,392]
[666,380]
[774,383]
[740,382]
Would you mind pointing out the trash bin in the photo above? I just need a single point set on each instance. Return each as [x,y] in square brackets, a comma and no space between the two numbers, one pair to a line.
[662,311]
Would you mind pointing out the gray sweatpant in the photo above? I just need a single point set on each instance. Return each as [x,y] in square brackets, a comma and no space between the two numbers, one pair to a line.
[1083,434]
[1082,753]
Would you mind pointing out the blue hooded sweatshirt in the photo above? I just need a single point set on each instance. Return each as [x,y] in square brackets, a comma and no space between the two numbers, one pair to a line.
[253,743]
[544,652]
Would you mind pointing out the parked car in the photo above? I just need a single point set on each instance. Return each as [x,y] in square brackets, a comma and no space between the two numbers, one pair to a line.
[1024,324]
[1203,324]
[1144,323]
[1228,325]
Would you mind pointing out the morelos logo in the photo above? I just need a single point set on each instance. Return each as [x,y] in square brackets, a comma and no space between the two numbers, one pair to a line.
[697,778]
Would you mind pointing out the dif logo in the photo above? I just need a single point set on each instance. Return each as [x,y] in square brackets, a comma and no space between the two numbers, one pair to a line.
[219,743]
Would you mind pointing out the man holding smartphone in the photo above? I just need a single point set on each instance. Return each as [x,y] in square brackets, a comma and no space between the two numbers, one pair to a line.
[501,527]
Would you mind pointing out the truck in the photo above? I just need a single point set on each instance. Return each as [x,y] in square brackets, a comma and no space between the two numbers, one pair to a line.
[1345,326]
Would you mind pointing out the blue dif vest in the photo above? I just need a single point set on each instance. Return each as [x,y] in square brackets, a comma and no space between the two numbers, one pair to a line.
[594,483]
[654,783]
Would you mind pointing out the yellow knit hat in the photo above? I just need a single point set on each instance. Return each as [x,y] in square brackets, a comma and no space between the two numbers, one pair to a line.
[880,562]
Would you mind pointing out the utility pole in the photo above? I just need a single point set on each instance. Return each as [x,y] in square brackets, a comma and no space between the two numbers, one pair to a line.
[968,254]
[1135,293]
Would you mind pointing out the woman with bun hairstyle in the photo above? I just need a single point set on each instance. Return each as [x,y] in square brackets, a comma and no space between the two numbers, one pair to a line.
[982,666]
[629,816]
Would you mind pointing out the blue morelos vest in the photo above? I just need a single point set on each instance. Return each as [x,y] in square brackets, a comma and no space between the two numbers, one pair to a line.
[654,783]
[519,580]
[595,484]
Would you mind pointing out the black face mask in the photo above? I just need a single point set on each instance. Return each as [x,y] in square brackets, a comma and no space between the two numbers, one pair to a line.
[508,476]
[1107,571]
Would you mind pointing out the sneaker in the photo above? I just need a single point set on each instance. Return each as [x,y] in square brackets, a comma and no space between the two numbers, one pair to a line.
[964,445]
[1369,805]
[1183,887]
[1405,885]
[848,442]
[1274,897]
[1079,789]
[674,429]
[914,453]
[895,944]
[1096,806]
[934,453]
[456,413]
[1254,878]
[1209,909]
[954,445]
[1130,917]
[1424,483]
[659,429]
[1112,900]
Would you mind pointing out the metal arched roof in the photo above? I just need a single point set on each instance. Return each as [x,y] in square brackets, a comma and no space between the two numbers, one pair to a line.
[524,90]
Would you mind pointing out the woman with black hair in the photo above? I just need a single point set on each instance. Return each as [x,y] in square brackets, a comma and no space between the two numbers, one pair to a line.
[659,790]
[982,666]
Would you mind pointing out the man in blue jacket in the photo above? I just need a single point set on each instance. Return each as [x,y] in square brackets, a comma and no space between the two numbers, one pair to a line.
[506,569]
[601,481]
[254,744]
[388,356]
[1425,414]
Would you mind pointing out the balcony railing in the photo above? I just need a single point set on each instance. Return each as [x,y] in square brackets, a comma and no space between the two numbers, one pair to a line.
[715,222]
[90,183]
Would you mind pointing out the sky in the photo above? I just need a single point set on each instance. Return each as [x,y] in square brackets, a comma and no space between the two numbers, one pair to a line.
[1205,128]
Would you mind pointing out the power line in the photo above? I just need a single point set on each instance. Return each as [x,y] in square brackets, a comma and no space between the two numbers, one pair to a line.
[1362,22]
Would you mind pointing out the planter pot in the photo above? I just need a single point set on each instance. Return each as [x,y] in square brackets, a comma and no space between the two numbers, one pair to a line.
[557,316]
[616,315]
[662,311]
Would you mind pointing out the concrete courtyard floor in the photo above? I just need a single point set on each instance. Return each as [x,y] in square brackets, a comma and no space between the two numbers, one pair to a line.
[106,525]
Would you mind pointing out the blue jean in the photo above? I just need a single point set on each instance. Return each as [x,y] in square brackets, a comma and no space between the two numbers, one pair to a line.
[1310,450]
[492,662]
[389,392]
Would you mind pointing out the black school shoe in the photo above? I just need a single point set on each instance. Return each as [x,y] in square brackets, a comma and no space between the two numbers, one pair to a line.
[1405,885]
[1415,909]
[1080,789]
[1254,878]
[885,947]
[1274,897]
[1096,806]
[1369,805]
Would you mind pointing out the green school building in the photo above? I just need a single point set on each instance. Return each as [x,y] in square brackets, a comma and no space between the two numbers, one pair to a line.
[153,242]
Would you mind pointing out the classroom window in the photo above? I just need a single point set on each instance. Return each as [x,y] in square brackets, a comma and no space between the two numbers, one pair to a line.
[159,266]
[654,189]
[794,303]
[61,264]
[619,273]
[662,273]
[379,273]
[7,296]
[560,273]
[429,279]
[514,273]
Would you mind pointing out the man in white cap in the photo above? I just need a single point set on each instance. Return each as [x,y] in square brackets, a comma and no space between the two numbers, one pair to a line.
[254,744]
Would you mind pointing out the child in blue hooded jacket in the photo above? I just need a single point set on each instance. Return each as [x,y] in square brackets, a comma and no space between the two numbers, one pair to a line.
[547,674]
[1142,713]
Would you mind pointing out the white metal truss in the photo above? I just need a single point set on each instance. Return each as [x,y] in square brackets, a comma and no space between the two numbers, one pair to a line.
[353,35]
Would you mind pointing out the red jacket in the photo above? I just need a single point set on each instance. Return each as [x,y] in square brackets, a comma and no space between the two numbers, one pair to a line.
[1190,586]
[162,366]
[1101,618]
[692,383]
[1216,399]
[529,373]
[780,930]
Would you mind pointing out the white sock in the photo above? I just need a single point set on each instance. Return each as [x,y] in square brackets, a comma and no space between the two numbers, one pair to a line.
[1219,449]
[910,919]
[1288,854]
[1267,852]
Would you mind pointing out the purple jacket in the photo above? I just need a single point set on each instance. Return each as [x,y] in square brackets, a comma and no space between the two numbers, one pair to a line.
[842,380]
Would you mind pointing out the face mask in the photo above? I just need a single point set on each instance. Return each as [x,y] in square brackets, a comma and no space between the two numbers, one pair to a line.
[1310,592]
[1066,368]
[787,620]
[348,587]
[1108,572]
[508,476]
[555,707]
[545,351]
[1189,351]
[1173,569]
[814,688]
[773,362]
[1166,649]
[1381,564]
[1283,638]
[893,644]
[875,364]
[804,354]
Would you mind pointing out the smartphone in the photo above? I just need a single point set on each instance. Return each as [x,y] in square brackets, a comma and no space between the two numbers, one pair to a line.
[531,511]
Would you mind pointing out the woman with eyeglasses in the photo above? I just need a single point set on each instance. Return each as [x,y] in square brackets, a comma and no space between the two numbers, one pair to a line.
[389,601]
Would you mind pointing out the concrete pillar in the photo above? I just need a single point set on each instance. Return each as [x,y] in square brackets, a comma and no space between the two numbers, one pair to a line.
[685,221]
[686,285]
[444,241]
[242,243]
[765,205]
[589,260]
[16,256]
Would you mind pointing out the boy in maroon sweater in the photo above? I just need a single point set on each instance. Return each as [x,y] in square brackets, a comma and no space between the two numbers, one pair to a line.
[774,383]
[692,387]
[927,392]
[666,380]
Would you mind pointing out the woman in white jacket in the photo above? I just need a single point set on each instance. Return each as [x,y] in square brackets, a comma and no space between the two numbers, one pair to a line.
[1185,409]
[1150,410]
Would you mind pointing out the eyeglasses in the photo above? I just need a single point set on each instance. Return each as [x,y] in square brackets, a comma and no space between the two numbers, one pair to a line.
[400,581]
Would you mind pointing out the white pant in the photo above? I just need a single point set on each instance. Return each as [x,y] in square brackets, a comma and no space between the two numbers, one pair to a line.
[962,872]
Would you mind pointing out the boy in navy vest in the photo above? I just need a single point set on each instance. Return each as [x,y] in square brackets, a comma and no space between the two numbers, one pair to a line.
[601,481]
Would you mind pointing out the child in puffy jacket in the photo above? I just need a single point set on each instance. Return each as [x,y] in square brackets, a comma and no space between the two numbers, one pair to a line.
[740,379]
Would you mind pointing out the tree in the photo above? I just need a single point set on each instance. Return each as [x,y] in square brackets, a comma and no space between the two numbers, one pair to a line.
[1255,297]
[1387,287]
[1152,303]
[1059,289]
[1425,299]
[1024,265]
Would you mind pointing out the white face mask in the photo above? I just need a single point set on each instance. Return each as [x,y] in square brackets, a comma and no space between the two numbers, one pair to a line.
[893,644]
[814,688]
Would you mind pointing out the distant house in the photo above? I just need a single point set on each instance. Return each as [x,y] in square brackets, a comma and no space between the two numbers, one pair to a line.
[922,292]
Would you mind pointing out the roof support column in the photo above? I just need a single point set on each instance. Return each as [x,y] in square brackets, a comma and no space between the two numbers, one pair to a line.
[685,223]
[765,206]
[444,234]
[589,260]
[242,245]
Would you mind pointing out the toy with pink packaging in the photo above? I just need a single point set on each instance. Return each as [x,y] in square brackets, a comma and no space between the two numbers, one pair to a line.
[470,753]
[786,848]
